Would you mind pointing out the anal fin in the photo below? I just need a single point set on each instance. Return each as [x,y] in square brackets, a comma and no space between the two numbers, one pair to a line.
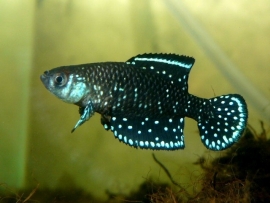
[149,133]
[105,121]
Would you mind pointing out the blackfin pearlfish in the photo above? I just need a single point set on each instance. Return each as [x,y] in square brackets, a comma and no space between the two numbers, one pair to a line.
[144,101]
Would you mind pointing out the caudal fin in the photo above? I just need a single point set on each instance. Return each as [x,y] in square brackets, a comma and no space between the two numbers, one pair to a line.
[226,123]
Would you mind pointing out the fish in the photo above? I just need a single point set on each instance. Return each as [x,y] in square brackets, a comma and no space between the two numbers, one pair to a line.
[144,101]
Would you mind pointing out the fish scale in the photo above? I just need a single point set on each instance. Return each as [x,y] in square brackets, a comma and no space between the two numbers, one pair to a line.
[151,99]
[136,103]
[144,100]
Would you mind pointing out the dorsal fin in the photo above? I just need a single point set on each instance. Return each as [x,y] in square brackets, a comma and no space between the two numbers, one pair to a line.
[169,66]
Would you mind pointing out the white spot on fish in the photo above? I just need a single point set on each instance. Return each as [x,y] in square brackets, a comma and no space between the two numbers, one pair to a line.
[225,139]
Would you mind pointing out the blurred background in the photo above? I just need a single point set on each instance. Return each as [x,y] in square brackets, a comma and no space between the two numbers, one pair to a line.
[229,40]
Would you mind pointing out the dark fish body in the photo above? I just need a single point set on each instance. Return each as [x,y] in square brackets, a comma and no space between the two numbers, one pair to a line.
[144,101]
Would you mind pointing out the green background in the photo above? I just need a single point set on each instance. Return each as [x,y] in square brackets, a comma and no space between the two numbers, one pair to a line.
[36,145]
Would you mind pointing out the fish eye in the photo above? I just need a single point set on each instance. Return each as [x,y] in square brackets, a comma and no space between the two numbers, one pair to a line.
[60,79]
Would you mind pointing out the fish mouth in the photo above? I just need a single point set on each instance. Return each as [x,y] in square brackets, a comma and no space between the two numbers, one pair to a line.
[45,79]
[42,77]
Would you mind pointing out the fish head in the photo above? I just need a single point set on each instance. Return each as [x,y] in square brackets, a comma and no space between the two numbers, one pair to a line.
[64,84]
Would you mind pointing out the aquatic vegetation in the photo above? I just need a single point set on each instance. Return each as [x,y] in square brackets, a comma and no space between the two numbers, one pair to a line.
[240,174]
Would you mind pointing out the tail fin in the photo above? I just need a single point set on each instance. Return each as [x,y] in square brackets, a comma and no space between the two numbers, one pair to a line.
[226,122]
